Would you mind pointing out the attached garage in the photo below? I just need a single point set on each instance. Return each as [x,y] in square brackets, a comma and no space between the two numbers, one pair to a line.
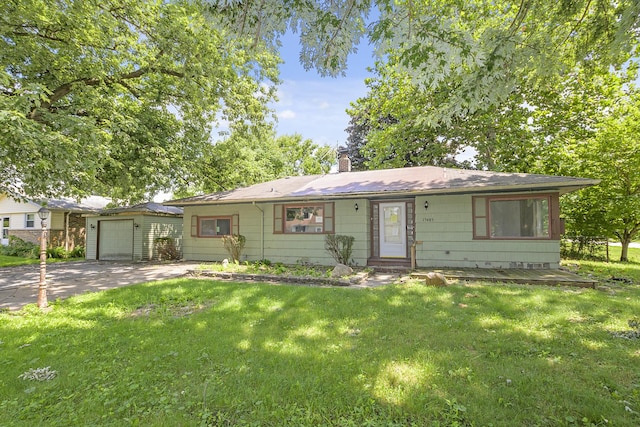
[115,240]
[132,233]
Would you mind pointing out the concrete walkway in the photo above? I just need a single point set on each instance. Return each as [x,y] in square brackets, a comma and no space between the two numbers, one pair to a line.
[19,285]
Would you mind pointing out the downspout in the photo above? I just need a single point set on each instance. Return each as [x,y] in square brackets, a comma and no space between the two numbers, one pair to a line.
[66,231]
[261,230]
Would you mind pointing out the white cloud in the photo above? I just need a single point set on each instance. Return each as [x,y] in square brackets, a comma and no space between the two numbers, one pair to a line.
[319,106]
[287,114]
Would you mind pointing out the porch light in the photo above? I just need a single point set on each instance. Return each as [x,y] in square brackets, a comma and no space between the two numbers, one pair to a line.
[355,207]
[93,226]
[43,213]
[426,205]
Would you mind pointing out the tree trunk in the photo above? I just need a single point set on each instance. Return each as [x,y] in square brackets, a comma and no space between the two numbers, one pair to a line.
[625,247]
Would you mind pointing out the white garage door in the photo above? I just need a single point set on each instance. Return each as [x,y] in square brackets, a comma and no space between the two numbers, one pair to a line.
[116,240]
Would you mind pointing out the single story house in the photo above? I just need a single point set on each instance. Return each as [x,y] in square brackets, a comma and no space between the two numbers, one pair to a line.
[130,233]
[444,217]
[65,225]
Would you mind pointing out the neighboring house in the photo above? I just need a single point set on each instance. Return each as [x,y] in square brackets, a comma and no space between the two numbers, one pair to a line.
[453,218]
[129,233]
[65,225]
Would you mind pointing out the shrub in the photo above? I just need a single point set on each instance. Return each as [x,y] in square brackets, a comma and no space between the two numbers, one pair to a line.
[18,247]
[583,247]
[339,247]
[234,244]
[166,248]
[78,252]
[57,252]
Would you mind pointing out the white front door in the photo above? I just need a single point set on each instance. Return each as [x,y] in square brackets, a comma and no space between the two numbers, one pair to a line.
[4,231]
[393,230]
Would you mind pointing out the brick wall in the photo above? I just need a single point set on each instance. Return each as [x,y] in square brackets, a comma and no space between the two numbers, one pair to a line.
[32,236]
[77,234]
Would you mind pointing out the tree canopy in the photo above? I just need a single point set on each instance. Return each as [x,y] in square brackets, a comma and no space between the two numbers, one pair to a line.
[475,51]
[612,154]
[246,158]
[118,97]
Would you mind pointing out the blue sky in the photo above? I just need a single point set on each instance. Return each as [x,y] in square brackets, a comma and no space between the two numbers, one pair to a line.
[314,106]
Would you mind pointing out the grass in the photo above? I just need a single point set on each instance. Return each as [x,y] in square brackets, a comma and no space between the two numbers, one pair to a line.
[14,261]
[201,352]
[612,272]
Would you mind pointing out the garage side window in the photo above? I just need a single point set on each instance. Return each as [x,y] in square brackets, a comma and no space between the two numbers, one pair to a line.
[214,226]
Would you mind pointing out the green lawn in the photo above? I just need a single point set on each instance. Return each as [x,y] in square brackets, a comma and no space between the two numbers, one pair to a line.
[612,272]
[199,352]
[14,261]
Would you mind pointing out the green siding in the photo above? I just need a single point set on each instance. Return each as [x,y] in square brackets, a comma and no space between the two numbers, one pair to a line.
[446,230]
[286,248]
[149,227]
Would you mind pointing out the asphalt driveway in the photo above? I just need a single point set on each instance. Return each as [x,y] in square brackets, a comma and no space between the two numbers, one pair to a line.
[19,285]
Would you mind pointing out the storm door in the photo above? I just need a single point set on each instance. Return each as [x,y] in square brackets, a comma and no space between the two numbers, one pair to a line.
[393,230]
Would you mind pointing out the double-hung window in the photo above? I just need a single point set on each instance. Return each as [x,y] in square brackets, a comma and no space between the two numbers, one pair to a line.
[5,228]
[30,220]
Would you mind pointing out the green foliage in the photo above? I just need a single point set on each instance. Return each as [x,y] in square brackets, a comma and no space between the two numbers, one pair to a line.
[583,247]
[166,248]
[339,247]
[472,51]
[267,355]
[78,252]
[57,252]
[266,267]
[119,99]
[20,248]
[234,244]
[612,154]
[247,158]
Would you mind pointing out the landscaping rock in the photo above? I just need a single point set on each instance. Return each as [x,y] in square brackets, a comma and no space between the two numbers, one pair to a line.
[435,279]
[341,270]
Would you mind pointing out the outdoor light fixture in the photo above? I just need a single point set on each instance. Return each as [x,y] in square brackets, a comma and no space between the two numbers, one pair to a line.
[93,226]
[136,225]
[426,205]
[355,207]
[43,213]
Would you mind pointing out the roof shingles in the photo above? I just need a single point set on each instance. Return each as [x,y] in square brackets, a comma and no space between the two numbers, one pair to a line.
[421,179]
